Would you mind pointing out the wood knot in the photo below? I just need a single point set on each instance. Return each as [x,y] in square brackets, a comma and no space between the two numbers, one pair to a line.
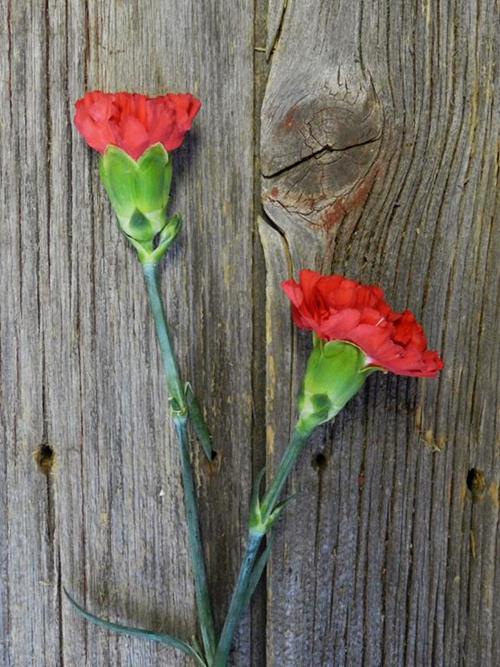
[320,139]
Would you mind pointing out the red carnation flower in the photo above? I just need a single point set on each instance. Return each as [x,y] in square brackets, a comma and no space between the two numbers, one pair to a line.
[135,122]
[336,308]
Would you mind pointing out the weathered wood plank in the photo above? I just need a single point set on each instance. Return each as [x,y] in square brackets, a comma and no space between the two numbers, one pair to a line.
[28,559]
[379,130]
[79,360]
[379,127]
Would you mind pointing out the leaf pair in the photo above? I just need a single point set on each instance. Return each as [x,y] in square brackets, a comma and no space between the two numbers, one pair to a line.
[262,516]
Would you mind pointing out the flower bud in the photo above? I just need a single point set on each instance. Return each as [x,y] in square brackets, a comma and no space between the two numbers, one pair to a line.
[335,372]
[138,190]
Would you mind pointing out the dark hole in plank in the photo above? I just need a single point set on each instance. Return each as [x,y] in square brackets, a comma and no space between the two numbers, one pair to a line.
[319,461]
[476,482]
[45,458]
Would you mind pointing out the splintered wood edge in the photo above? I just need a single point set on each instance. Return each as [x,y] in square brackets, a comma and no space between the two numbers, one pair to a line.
[275,16]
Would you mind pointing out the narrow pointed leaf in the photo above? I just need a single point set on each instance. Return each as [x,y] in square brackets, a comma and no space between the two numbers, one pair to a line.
[285,502]
[199,424]
[256,488]
[138,632]
[276,513]
[255,520]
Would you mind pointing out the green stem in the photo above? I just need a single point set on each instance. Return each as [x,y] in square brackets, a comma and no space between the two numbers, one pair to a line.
[193,522]
[240,596]
[294,449]
[180,409]
[238,601]
[174,382]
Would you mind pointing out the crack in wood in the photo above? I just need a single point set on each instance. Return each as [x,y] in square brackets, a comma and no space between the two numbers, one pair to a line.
[327,148]
[275,20]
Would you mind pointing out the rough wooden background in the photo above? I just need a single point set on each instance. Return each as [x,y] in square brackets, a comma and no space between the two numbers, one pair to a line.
[379,126]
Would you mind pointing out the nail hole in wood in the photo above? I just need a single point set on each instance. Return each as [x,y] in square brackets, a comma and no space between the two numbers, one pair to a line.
[213,465]
[45,458]
[319,461]
[476,482]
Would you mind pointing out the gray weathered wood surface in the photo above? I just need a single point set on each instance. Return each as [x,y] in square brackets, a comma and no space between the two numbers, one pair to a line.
[378,128]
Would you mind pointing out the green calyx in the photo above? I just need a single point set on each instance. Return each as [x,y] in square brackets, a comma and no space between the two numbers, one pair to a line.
[139,192]
[336,371]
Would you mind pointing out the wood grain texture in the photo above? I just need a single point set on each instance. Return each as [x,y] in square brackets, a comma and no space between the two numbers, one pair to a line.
[80,367]
[379,139]
[379,126]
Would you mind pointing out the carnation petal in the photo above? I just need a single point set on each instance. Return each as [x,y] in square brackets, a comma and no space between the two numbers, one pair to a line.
[337,308]
[134,122]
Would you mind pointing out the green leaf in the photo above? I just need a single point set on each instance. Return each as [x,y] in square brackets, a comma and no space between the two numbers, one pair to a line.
[167,236]
[256,520]
[139,632]
[171,230]
[198,423]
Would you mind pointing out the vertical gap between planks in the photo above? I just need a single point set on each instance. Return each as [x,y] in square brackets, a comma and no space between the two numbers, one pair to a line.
[258,612]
